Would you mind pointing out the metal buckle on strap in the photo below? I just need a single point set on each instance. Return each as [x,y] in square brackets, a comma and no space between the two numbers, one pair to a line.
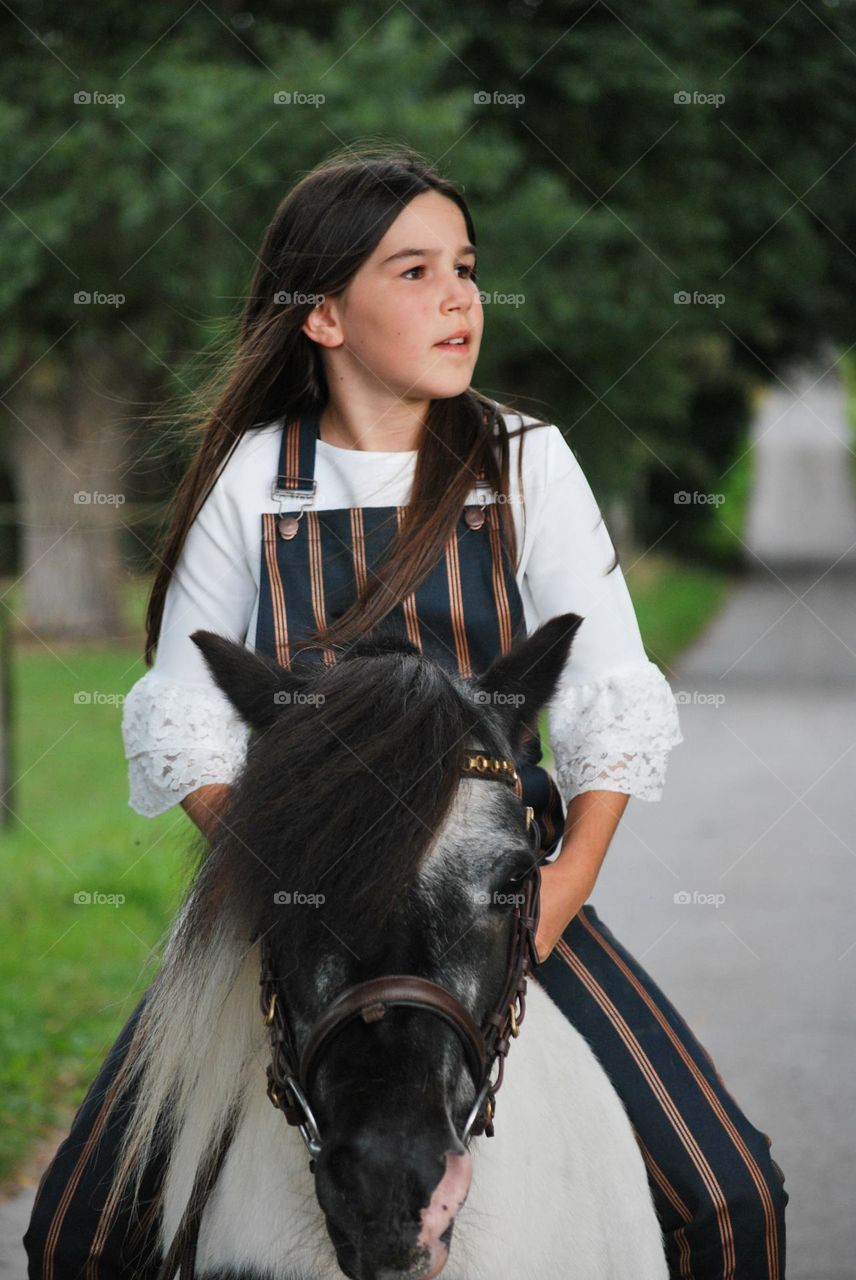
[306,493]
[481,492]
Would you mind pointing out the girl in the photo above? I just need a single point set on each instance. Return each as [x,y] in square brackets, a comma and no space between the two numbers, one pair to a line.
[348,478]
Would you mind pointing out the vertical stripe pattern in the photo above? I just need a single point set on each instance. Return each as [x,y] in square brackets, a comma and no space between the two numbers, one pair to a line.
[276,603]
[82,1227]
[500,594]
[456,607]
[712,1096]
[719,1194]
[411,611]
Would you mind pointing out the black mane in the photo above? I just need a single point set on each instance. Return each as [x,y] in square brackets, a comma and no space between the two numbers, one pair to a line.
[344,797]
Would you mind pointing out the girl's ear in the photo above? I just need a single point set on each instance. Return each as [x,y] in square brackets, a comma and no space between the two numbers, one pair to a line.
[258,688]
[522,681]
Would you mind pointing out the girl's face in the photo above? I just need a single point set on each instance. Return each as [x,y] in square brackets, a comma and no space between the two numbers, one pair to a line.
[415,290]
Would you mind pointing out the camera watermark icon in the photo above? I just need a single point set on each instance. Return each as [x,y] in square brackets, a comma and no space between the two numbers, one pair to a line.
[684,98]
[684,298]
[295,98]
[496,698]
[498,98]
[289,898]
[287,298]
[685,498]
[684,898]
[94,498]
[95,698]
[85,898]
[498,898]
[497,299]
[95,98]
[698,698]
[93,298]
[298,697]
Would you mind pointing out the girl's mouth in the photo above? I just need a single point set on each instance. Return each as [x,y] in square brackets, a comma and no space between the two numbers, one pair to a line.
[453,344]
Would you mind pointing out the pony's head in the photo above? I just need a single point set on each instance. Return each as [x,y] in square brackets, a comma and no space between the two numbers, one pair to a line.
[355,844]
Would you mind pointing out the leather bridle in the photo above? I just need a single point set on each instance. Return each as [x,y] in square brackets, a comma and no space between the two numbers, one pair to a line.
[291,1076]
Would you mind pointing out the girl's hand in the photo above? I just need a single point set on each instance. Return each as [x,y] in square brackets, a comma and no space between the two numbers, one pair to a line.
[204,805]
[562,895]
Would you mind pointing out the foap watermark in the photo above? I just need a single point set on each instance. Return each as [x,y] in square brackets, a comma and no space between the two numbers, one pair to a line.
[496,698]
[294,898]
[95,898]
[698,698]
[683,298]
[287,298]
[498,898]
[298,697]
[95,698]
[95,98]
[496,299]
[94,298]
[94,498]
[683,898]
[685,498]
[684,98]
[498,98]
[296,98]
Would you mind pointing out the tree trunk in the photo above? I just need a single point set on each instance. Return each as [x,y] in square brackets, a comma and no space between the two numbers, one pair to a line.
[67,457]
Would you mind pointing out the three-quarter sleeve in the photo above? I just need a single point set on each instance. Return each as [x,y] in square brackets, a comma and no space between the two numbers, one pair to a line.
[179,730]
[613,719]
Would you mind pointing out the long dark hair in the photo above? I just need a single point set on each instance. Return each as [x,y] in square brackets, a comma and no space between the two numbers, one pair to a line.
[321,233]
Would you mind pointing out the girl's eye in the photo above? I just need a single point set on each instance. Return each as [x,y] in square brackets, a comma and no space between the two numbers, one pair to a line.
[470,271]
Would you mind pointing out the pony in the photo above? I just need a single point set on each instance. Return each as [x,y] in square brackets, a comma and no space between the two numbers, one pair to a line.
[355,845]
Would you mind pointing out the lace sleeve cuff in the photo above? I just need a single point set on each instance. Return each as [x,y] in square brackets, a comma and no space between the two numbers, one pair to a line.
[614,734]
[178,737]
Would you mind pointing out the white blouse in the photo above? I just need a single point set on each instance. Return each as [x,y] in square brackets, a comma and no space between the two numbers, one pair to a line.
[613,719]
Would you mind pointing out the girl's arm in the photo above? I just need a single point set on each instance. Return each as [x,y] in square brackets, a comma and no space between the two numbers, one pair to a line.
[204,805]
[613,719]
[567,881]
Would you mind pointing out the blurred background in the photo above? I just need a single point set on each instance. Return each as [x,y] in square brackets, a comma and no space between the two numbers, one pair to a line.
[663,196]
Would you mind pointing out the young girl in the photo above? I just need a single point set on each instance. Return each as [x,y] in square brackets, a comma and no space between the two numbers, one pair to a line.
[349,478]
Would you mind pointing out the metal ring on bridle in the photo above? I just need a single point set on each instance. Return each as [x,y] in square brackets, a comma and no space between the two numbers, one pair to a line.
[476,1109]
[308,1128]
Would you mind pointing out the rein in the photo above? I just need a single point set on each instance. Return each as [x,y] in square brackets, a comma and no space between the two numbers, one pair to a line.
[290,1077]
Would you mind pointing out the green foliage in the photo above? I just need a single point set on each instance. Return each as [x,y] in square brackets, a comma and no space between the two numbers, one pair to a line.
[598,197]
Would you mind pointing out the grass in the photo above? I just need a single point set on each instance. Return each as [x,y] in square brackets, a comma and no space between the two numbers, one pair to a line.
[72,973]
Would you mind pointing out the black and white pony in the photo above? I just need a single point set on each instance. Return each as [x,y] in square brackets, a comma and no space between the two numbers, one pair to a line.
[353,843]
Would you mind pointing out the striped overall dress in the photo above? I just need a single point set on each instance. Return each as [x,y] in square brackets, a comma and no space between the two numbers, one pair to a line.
[718,1193]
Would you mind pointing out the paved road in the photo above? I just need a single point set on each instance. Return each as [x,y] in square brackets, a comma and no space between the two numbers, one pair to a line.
[760,806]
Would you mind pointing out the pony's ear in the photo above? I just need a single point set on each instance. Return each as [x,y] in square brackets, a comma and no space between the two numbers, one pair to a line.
[522,681]
[259,688]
